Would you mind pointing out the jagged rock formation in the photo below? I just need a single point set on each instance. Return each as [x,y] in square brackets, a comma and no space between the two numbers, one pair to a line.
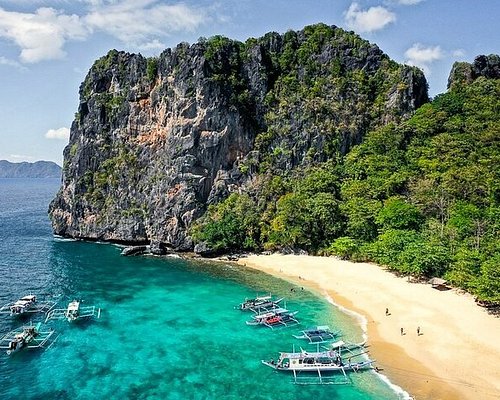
[465,73]
[156,140]
[38,169]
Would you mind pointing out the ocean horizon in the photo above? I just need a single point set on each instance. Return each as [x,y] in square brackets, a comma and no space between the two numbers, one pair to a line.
[168,328]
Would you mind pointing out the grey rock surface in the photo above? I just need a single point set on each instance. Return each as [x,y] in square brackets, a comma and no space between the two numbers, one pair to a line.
[155,141]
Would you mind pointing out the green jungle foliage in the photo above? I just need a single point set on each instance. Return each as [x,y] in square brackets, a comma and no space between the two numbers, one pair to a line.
[152,68]
[421,197]
[320,87]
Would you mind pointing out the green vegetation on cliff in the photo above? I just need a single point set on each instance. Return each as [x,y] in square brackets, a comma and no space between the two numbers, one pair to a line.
[336,87]
[305,140]
[155,141]
[421,197]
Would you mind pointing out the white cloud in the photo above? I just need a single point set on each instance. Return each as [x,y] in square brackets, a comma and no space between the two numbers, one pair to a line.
[8,62]
[60,134]
[458,53]
[372,19]
[40,35]
[421,56]
[155,44]
[140,22]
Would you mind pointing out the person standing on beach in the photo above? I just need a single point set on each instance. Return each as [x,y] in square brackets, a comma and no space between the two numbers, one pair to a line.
[418,331]
[402,331]
[386,312]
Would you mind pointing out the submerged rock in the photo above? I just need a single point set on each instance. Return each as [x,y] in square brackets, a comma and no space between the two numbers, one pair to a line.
[135,250]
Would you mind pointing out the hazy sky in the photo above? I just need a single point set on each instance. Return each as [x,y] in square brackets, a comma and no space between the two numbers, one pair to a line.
[47,46]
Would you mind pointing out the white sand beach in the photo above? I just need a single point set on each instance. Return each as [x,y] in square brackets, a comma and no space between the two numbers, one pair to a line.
[456,355]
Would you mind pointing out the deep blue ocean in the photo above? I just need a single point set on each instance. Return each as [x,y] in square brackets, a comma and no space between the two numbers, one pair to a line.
[168,329]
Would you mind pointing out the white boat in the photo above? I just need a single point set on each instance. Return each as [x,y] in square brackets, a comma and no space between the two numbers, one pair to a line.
[317,334]
[275,317]
[29,337]
[323,366]
[26,304]
[347,347]
[260,303]
[74,311]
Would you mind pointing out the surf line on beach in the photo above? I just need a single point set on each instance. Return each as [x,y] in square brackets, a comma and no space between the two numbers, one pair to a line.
[363,323]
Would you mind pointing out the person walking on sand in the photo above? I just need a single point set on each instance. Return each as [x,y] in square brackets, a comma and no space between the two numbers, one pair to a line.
[402,331]
[418,331]
[386,312]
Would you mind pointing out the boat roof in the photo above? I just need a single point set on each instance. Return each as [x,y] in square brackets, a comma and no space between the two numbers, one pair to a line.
[74,305]
[29,297]
[323,328]
[307,354]
[21,303]
[339,343]
[319,328]
[271,313]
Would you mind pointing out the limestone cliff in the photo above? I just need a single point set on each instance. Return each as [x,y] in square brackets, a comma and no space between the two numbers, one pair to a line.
[465,73]
[156,140]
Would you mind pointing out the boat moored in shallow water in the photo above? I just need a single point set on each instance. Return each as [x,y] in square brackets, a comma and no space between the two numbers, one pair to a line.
[260,303]
[275,317]
[323,367]
[26,304]
[74,311]
[29,336]
[318,334]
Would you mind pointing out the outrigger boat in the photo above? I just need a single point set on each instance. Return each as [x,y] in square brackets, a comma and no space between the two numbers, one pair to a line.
[27,304]
[325,367]
[349,347]
[73,312]
[260,303]
[275,317]
[318,334]
[29,337]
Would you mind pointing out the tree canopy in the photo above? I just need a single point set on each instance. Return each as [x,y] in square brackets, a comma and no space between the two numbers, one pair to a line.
[421,196]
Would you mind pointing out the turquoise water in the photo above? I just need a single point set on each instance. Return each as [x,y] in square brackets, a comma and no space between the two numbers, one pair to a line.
[167,330]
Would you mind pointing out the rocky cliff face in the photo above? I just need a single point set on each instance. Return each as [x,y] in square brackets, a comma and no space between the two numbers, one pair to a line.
[464,73]
[156,140]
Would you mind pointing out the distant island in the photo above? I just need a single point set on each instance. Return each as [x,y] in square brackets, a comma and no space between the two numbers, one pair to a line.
[38,169]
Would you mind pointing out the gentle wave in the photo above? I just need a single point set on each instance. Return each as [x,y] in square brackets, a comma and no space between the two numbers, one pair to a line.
[58,238]
[363,322]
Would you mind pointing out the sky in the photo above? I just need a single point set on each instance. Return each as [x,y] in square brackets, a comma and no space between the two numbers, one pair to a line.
[47,46]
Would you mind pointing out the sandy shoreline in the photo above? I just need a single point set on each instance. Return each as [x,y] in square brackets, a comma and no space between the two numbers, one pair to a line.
[457,354]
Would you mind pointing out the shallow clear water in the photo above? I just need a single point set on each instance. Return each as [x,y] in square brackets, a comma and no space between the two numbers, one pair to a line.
[167,330]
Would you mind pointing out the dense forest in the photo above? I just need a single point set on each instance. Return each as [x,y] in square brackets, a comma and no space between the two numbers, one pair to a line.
[311,140]
[420,196]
